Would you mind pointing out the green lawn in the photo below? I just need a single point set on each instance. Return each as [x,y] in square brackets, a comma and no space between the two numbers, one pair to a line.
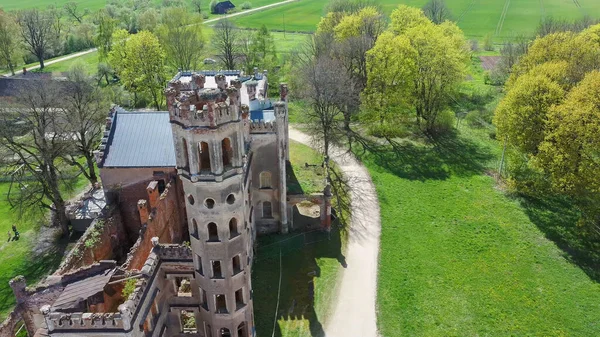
[502,19]
[90,62]
[302,179]
[459,258]
[18,257]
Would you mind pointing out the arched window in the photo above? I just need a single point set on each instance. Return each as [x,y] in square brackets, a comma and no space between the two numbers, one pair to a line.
[224,332]
[186,158]
[233,228]
[265,179]
[203,157]
[227,152]
[195,228]
[213,234]
[267,210]
[242,330]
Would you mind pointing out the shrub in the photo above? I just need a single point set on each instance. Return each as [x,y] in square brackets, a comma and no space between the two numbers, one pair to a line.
[488,43]
[474,45]
[213,5]
[129,288]
[246,5]
[444,122]
[204,15]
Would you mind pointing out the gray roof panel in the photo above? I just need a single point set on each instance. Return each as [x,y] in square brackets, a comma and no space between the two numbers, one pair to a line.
[140,139]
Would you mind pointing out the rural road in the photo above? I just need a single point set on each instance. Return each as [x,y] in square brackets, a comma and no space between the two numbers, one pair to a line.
[354,312]
[70,56]
[249,11]
[60,59]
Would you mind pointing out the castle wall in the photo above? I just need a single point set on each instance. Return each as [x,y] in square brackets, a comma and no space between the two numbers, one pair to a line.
[105,239]
[127,186]
[264,152]
[162,215]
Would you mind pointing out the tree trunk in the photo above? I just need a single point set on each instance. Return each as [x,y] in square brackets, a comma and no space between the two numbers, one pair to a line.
[92,170]
[61,217]
[12,68]
[41,62]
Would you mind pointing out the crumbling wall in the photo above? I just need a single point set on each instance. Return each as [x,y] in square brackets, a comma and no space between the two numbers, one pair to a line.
[161,216]
[30,300]
[105,239]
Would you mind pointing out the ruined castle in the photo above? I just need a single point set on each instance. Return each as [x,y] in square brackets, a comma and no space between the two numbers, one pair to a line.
[212,172]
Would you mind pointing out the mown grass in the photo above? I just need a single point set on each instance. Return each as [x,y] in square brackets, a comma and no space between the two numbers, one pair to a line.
[18,257]
[309,265]
[90,62]
[502,19]
[460,258]
[303,179]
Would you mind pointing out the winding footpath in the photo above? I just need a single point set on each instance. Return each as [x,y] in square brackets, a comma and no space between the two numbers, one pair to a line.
[354,311]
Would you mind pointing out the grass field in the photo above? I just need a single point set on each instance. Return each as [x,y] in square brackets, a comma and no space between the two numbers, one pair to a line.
[309,269]
[502,19]
[18,257]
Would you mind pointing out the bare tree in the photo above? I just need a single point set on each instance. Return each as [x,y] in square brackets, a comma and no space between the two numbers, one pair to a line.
[181,36]
[197,5]
[226,40]
[437,11]
[85,109]
[74,12]
[324,85]
[38,32]
[38,146]
[10,44]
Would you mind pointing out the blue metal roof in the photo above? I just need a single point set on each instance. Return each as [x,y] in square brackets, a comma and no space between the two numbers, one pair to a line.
[140,139]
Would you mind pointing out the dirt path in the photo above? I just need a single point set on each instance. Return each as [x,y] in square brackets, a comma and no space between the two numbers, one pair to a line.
[354,312]
[60,59]
[249,11]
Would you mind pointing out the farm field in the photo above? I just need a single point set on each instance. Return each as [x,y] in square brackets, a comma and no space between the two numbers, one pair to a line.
[503,19]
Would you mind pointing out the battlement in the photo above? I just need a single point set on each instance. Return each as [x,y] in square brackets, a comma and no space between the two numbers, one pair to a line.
[263,127]
[84,321]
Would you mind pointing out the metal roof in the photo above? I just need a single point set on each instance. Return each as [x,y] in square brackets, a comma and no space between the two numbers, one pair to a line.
[140,139]
[80,291]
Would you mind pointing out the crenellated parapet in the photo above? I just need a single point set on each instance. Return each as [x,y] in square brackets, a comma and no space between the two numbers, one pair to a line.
[57,321]
[110,121]
[263,127]
[193,103]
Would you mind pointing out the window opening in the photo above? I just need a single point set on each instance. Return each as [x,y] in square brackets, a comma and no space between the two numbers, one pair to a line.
[213,234]
[267,210]
[265,179]
[216,269]
[233,228]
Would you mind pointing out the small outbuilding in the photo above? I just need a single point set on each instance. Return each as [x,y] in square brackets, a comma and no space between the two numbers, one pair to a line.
[223,7]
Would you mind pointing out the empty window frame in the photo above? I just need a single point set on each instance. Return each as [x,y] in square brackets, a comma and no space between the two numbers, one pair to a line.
[265,179]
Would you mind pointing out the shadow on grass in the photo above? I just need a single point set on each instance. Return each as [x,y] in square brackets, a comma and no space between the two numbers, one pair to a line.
[292,182]
[34,267]
[297,254]
[439,159]
[557,217]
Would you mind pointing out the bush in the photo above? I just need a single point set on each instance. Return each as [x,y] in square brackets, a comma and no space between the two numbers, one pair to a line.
[474,45]
[204,15]
[246,5]
[488,43]
[444,122]
[213,5]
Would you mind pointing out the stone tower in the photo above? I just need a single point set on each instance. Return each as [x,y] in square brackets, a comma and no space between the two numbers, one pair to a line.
[205,115]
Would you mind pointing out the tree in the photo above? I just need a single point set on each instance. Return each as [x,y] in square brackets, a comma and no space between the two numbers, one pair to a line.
[437,11]
[149,20]
[197,5]
[139,60]
[438,63]
[85,110]
[106,27]
[72,10]
[226,40]
[40,150]
[213,6]
[38,30]
[181,36]
[323,86]
[10,45]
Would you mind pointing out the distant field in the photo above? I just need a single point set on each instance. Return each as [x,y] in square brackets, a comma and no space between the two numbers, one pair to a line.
[501,18]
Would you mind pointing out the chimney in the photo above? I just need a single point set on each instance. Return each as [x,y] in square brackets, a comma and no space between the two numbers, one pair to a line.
[198,80]
[142,206]
[221,81]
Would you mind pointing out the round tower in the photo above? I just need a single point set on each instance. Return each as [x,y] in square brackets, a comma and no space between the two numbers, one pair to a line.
[209,137]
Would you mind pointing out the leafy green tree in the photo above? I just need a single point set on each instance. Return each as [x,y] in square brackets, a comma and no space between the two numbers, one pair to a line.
[438,63]
[10,44]
[106,27]
[139,60]
[149,20]
[180,34]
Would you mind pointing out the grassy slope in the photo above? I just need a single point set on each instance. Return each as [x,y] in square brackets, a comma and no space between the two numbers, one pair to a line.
[16,256]
[89,60]
[459,258]
[302,311]
[476,18]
